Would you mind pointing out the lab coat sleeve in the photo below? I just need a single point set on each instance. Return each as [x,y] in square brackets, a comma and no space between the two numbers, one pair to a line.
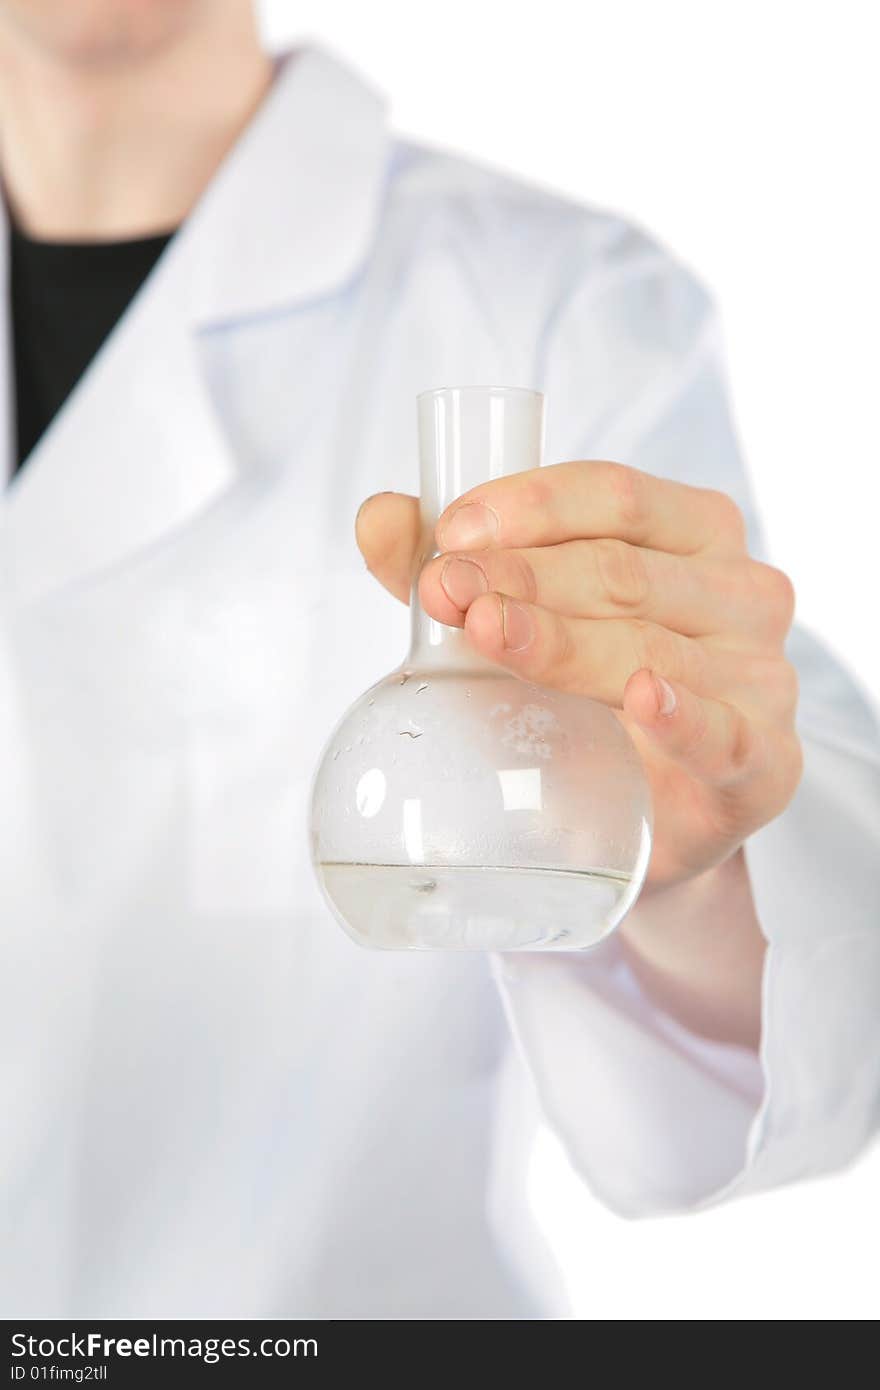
[654,1118]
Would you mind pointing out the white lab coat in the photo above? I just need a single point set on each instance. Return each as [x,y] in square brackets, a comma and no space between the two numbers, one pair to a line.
[214,1103]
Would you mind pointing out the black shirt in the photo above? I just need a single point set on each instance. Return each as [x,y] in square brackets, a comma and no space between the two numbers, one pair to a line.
[66,297]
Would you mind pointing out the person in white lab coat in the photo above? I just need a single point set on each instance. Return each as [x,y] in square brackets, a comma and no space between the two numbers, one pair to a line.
[215,1104]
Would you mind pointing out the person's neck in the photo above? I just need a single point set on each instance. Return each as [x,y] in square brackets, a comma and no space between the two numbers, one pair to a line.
[117,150]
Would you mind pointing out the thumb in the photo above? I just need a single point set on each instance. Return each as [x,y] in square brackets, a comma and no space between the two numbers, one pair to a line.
[387,529]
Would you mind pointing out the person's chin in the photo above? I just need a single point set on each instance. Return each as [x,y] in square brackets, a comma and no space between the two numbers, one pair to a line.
[93,32]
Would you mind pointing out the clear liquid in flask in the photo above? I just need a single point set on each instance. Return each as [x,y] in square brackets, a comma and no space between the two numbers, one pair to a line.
[463,908]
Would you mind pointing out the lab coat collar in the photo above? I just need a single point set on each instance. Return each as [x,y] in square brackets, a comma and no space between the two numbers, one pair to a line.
[291,211]
[138,449]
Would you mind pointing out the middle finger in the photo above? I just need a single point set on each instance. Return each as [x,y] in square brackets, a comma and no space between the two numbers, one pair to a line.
[606,578]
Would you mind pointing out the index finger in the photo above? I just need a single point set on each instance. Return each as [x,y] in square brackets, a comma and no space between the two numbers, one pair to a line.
[587,500]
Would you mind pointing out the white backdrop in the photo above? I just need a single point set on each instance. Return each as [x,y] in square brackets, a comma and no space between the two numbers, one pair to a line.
[744,136]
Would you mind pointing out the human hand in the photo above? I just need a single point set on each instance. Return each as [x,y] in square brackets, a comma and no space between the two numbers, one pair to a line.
[637,591]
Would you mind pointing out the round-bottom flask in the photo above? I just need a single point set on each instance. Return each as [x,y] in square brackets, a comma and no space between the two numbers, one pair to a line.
[455,805]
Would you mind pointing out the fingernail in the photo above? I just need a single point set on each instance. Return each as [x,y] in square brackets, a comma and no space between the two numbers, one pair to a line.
[463,581]
[517,626]
[472,526]
[666,701]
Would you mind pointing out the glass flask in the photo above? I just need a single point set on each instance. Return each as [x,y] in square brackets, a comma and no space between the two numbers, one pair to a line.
[457,806]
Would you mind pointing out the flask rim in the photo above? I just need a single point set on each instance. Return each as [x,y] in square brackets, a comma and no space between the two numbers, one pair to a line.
[489,390]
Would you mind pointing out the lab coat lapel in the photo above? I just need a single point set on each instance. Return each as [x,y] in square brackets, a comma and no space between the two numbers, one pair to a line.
[7,414]
[138,450]
[133,453]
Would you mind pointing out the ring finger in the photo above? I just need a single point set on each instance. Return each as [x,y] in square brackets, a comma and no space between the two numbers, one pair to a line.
[592,657]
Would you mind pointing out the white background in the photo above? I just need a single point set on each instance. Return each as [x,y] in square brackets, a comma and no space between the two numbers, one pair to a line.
[744,135]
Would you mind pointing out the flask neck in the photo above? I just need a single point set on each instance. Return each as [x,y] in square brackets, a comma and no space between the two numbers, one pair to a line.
[467,436]
[434,646]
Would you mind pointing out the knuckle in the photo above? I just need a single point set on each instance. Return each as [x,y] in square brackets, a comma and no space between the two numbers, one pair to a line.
[537,490]
[789,686]
[728,516]
[781,594]
[650,648]
[696,734]
[768,593]
[519,576]
[788,767]
[779,687]
[671,655]
[560,665]
[622,573]
[742,746]
[627,487]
